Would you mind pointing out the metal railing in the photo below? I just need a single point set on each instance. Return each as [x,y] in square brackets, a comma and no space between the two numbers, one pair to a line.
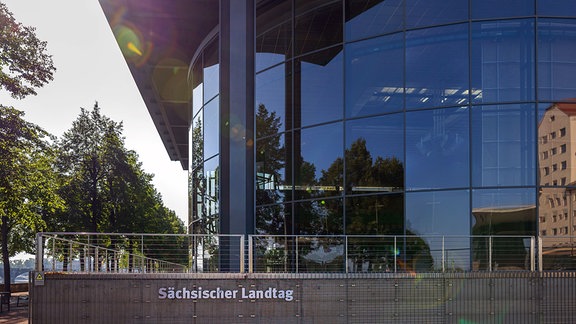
[180,253]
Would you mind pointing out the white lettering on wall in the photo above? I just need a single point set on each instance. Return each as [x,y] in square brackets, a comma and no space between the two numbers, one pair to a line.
[219,293]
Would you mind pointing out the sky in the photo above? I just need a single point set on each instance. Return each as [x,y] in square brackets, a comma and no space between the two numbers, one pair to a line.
[90,68]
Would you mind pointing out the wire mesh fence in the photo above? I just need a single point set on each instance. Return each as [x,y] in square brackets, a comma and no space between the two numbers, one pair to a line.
[184,253]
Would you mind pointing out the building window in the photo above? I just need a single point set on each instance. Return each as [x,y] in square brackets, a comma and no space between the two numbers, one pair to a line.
[563,181]
[544,155]
[563,148]
[543,233]
[554,167]
[563,165]
[544,140]
[554,218]
[563,132]
[546,170]
[553,151]
[542,219]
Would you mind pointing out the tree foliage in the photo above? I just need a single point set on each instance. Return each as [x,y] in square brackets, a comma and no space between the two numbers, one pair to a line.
[24,63]
[28,183]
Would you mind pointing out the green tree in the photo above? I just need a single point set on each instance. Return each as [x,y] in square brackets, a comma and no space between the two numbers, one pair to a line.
[28,184]
[24,63]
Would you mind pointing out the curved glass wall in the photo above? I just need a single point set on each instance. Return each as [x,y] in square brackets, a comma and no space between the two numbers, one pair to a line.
[417,118]
[204,138]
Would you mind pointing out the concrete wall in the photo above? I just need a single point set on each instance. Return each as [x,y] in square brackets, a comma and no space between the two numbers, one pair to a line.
[375,298]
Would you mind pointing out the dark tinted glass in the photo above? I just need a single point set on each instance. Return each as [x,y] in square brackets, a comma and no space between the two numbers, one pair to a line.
[211,71]
[274,220]
[503,146]
[503,61]
[271,161]
[504,211]
[556,8]
[272,93]
[197,87]
[437,149]
[211,129]
[374,76]
[318,165]
[318,28]
[365,18]
[421,13]
[556,59]
[501,9]
[274,33]
[319,87]
[431,215]
[437,67]
[319,217]
[375,154]
[382,214]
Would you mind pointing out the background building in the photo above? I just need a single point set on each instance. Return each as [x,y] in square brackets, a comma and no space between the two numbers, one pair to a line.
[362,117]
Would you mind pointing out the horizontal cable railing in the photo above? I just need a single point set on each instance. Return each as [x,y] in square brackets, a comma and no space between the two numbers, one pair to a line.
[188,253]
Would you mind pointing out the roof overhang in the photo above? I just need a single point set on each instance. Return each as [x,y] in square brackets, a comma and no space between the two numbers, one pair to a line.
[158,39]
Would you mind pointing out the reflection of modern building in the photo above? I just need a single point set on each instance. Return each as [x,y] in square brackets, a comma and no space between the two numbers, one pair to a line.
[361,116]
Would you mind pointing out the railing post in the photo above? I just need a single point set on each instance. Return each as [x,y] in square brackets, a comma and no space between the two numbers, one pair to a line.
[395,256]
[296,252]
[532,251]
[443,255]
[242,254]
[490,253]
[540,259]
[346,253]
[250,254]
[96,260]
[39,252]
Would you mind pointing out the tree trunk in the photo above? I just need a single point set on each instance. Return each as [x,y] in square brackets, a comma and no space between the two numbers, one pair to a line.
[5,253]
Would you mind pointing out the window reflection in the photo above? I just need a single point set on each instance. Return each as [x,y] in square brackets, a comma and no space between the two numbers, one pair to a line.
[556,8]
[503,146]
[381,214]
[374,76]
[318,89]
[211,203]
[431,215]
[375,154]
[510,213]
[318,165]
[501,9]
[502,61]
[274,220]
[272,91]
[197,87]
[364,17]
[274,35]
[437,67]
[319,27]
[434,12]
[319,217]
[211,71]
[211,129]
[197,141]
[437,149]
[556,61]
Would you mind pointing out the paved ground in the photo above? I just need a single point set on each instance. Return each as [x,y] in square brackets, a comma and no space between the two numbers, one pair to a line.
[16,315]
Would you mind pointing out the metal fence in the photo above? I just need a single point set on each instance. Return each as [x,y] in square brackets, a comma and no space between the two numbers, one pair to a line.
[152,253]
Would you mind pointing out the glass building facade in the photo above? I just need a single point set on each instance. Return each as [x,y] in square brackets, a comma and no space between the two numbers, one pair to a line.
[396,117]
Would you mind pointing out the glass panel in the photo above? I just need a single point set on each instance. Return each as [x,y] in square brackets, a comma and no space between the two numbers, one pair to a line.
[319,87]
[197,193]
[273,27]
[437,149]
[503,61]
[421,13]
[211,71]
[273,94]
[431,215]
[501,9]
[274,220]
[511,215]
[197,87]
[319,217]
[318,164]
[382,214]
[556,59]
[374,76]
[503,146]
[211,129]
[211,197]
[318,28]
[321,254]
[271,160]
[197,147]
[556,8]
[437,67]
[375,154]
[365,18]
[556,145]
